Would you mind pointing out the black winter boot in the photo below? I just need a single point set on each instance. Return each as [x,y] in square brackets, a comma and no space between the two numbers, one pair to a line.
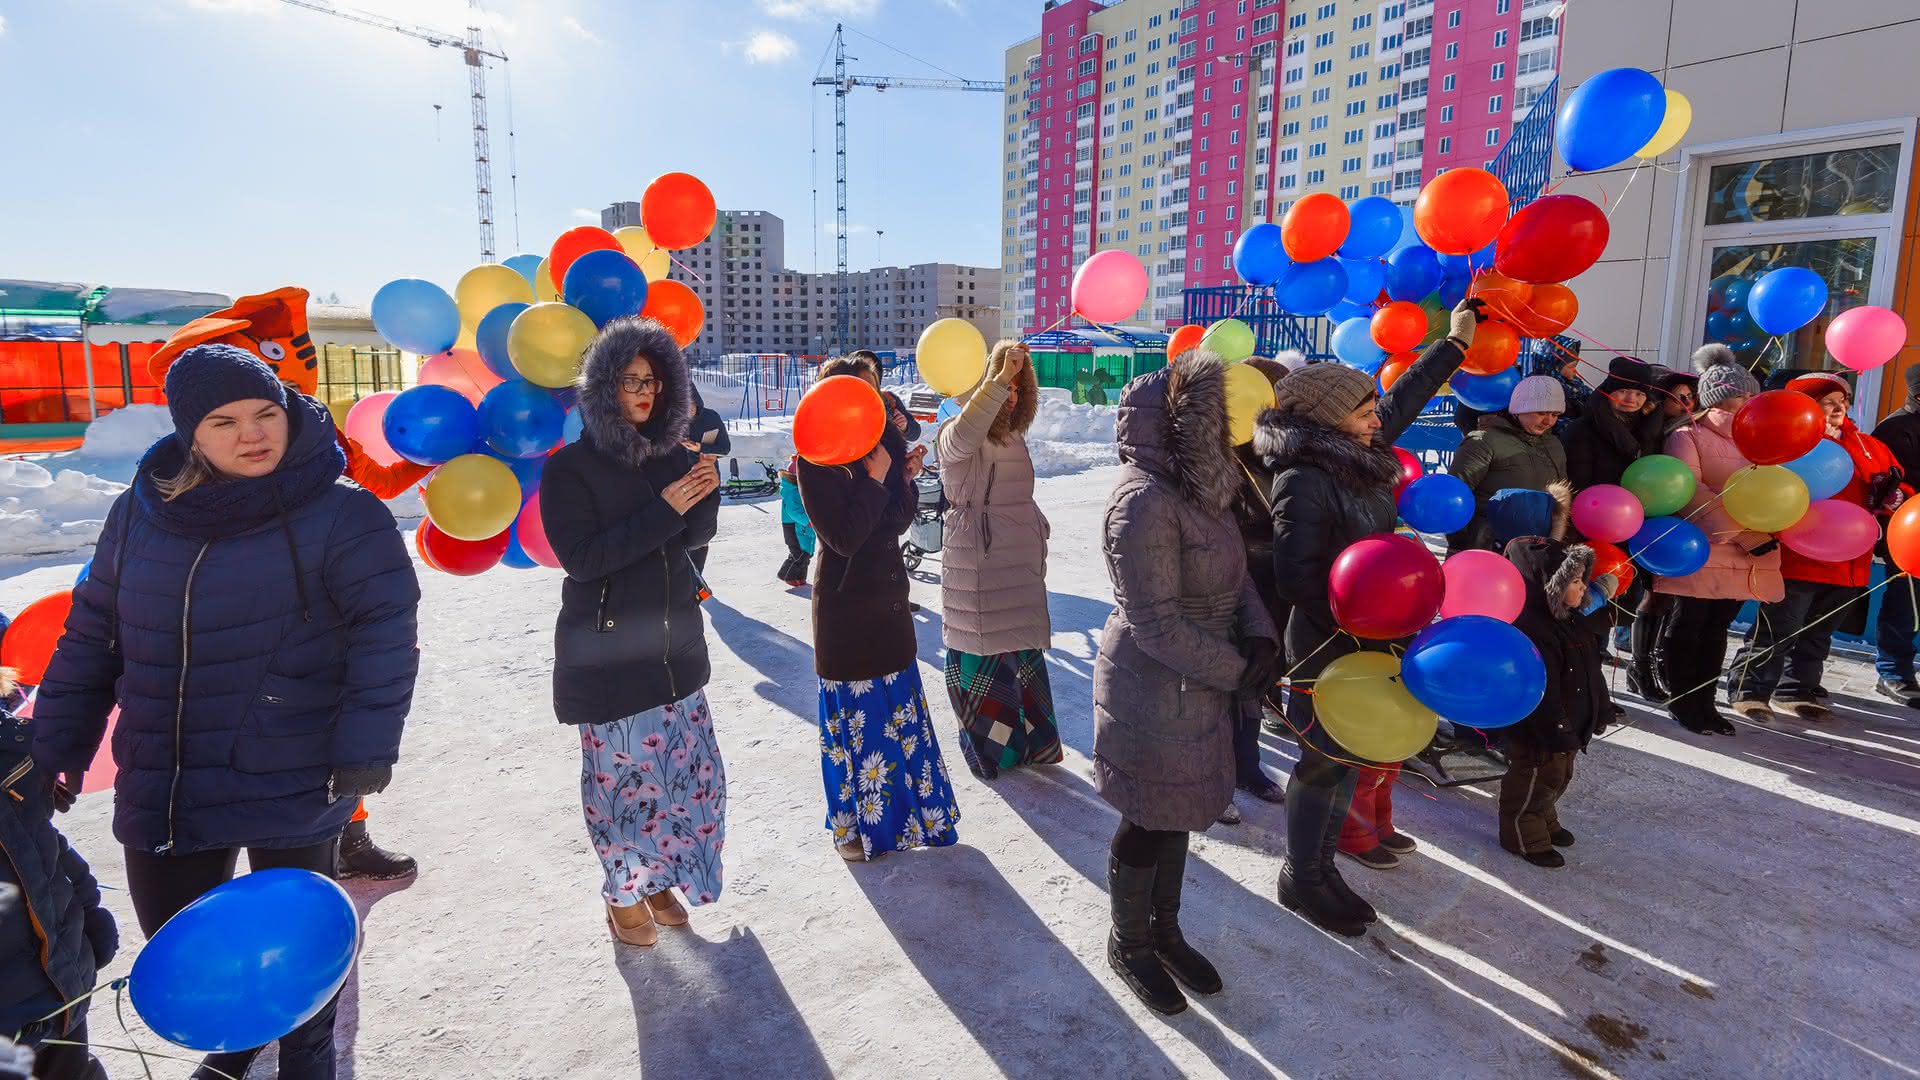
[1357,909]
[1130,950]
[1169,944]
[1312,799]
[361,859]
[1646,666]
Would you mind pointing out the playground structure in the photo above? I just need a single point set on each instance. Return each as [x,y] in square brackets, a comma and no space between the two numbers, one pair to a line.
[771,384]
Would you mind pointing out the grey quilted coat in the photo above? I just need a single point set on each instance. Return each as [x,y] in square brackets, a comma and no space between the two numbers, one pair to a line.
[1170,659]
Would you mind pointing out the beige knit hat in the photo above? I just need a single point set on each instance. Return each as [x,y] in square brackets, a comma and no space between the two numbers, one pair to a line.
[1323,393]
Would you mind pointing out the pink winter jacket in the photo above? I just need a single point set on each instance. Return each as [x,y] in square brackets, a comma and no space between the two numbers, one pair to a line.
[1706,445]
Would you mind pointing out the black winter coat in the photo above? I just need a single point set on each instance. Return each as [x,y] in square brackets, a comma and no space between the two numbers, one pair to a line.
[1576,706]
[1600,445]
[1255,518]
[1901,432]
[706,420]
[862,628]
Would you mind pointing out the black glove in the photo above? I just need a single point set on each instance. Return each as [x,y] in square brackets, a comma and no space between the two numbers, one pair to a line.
[1766,548]
[103,934]
[1263,668]
[358,783]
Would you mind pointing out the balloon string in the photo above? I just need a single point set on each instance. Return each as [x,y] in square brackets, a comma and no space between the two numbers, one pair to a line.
[676,261]
[1771,342]
[111,984]
[1628,186]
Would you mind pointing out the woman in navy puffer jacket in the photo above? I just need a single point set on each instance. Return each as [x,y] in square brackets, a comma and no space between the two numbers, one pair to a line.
[253,613]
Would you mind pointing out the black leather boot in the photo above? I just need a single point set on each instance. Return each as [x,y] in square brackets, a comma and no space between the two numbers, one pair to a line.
[1357,908]
[360,858]
[1180,959]
[1312,798]
[1130,950]
[1648,663]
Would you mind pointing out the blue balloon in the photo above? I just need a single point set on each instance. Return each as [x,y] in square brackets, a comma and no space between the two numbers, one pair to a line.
[1453,289]
[1469,264]
[1486,393]
[1374,228]
[84,568]
[1475,670]
[1741,328]
[490,338]
[1347,309]
[516,557]
[1409,236]
[1312,288]
[1258,256]
[1787,299]
[1365,279]
[1669,547]
[574,425]
[1719,326]
[1826,468]
[606,285]
[526,265]
[1413,272]
[1609,118]
[520,420]
[1729,293]
[247,962]
[430,425]
[1353,343]
[1438,504]
[416,316]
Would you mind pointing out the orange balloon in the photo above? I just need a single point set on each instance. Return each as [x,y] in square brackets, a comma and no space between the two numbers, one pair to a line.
[677,211]
[1395,366]
[839,421]
[574,243]
[1183,339]
[1903,537]
[34,634]
[1461,211]
[1548,313]
[420,544]
[675,307]
[1495,347]
[1399,326]
[1609,559]
[1505,297]
[1315,227]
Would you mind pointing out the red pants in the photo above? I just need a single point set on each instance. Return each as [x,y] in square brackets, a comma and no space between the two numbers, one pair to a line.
[1371,818]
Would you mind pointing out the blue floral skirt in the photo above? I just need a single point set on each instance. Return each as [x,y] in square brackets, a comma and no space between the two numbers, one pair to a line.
[654,792]
[885,780]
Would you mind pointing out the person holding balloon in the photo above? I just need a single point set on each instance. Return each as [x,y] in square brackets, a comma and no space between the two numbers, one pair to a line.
[1255,515]
[1329,441]
[1625,426]
[1826,559]
[1515,448]
[254,617]
[624,508]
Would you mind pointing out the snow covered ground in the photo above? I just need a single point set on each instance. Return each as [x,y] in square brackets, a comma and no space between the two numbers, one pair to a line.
[1739,907]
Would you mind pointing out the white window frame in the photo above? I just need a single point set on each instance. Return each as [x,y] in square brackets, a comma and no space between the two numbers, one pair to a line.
[1688,248]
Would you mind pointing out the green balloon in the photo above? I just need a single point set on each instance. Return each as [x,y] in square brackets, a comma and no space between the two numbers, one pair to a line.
[1663,484]
[1230,339]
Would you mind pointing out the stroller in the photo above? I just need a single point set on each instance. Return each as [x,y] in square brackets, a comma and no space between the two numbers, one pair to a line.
[928,532]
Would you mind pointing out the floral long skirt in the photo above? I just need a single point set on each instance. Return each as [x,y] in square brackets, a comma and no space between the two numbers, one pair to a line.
[885,780]
[654,792]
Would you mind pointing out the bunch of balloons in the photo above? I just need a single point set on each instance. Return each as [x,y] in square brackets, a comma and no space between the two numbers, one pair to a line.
[494,393]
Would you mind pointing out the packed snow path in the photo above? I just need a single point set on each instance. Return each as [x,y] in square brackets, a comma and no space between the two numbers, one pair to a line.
[1734,907]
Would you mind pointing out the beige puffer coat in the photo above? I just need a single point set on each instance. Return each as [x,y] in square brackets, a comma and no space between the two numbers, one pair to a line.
[993,591]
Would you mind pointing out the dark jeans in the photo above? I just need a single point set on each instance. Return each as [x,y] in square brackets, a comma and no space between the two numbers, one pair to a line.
[160,885]
[1140,847]
[1894,631]
[1794,636]
[1247,773]
[1695,642]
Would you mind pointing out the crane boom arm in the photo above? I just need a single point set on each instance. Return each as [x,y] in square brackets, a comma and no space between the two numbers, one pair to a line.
[890,82]
[367,18]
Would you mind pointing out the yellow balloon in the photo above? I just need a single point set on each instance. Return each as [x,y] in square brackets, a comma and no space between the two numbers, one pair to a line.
[1765,498]
[486,287]
[952,356]
[1672,129]
[545,343]
[1368,711]
[473,497]
[1249,393]
[654,261]
[544,289]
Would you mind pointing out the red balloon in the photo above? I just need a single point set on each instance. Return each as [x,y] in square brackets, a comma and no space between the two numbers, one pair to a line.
[1505,297]
[1395,366]
[420,544]
[1495,347]
[840,421]
[531,528]
[1903,536]
[1385,587]
[1608,559]
[1549,312]
[1552,238]
[1778,426]
[1411,469]
[1460,211]
[1399,326]
[574,243]
[677,211]
[1183,339]
[1315,227]
[34,634]
[675,307]
[461,558]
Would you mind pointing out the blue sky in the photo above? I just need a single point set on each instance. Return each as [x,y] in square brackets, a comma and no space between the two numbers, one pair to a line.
[237,145]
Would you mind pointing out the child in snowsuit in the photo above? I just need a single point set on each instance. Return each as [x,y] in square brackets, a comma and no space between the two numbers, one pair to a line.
[794,523]
[54,935]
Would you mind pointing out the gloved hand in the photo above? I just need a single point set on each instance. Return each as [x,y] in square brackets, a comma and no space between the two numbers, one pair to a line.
[1467,316]
[103,934]
[358,783]
[1263,668]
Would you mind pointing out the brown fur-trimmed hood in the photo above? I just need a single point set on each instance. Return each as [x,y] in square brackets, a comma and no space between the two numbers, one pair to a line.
[602,414]
[1017,420]
[1173,423]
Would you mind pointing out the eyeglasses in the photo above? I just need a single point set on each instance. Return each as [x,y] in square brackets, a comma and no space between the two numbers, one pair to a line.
[634,384]
[1684,397]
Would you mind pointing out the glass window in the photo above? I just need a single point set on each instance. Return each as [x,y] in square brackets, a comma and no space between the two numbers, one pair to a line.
[1841,182]
[1845,264]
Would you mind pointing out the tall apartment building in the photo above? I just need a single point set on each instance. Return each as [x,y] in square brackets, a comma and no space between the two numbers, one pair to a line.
[754,304]
[1167,129]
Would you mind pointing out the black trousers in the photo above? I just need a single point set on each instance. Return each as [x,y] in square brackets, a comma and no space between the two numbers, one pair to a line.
[1530,797]
[160,885]
[1695,641]
[1790,638]
[1139,847]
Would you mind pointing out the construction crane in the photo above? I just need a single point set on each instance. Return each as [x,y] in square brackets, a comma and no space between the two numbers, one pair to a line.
[842,84]
[475,53]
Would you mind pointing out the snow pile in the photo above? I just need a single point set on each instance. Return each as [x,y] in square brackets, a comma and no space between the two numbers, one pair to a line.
[114,444]
[41,512]
[1068,438]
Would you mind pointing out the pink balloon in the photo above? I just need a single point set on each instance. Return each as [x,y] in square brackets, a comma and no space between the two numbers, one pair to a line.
[102,771]
[1109,287]
[1833,531]
[462,370]
[533,535]
[1608,512]
[1482,583]
[1863,338]
[1384,587]
[363,427]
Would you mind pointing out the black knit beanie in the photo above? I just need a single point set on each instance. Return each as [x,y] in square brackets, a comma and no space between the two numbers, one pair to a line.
[209,376]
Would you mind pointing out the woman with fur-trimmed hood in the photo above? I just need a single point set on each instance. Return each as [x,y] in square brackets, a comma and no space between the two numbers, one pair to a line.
[624,507]
[1187,643]
[994,574]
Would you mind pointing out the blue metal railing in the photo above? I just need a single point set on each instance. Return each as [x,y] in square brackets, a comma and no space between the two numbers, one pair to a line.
[1273,330]
[1525,163]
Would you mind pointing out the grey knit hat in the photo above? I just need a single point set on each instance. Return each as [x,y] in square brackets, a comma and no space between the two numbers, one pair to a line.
[1538,393]
[1723,380]
[1323,393]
